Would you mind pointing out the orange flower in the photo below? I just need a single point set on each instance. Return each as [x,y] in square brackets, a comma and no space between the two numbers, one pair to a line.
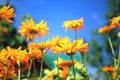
[115,21]
[74,24]
[6,13]
[35,53]
[33,46]
[64,72]
[6,69]
[106,29]
[14,54]
[63,63]
[110,69]
[82,47]
[31,30]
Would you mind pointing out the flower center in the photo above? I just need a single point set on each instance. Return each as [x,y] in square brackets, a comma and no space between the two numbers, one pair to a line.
[32,31]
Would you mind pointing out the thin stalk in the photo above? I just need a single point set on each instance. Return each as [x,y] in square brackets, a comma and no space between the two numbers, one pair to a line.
[85,57]
[57,67]
[79,52]
[18,70]
[118,66]
[113,53]
[28,73]
[41,66]
[76,36]
[73,66]
[80,55]
[35,73]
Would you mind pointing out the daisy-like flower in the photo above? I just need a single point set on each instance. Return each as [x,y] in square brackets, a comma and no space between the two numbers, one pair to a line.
[115,21]
[14,54]
[6,13]
[82,47]
[34,51]
[74,24]
[30,29]
[76,45]
[58,44]
[106,29]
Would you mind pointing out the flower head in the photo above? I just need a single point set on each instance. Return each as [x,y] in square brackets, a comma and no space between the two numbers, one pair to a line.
[110,69]
[6,13]
[115,21]
[106,29]
[30,29]
[74,24]
[58,43]
[14,54]
[76,45]
[34,51]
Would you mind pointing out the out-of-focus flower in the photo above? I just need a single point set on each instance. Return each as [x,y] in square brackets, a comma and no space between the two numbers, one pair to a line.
[3,29]
[106,29]
[110,69]
[30,29]
[6,13]
[74,24]
[115,21]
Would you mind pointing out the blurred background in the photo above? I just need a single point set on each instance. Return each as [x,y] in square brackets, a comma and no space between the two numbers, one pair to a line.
[96,13]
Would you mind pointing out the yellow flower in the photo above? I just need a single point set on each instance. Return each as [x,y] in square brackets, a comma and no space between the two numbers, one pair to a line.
[36,53]
[14,54]
[58,43]
[115,21]
[30,29]
[106,29]
[74,24]
[80,46]
[33,46]
[6,13]
[76,45]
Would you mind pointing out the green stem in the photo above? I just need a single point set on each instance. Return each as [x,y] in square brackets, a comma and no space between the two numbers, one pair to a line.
[41,66]
[118,65]
[113,53]
[76,34]
[57,67]
[35,73]
[18,70]
[85,57]
[28,74]
[73,66]
[79,52]
[80,57]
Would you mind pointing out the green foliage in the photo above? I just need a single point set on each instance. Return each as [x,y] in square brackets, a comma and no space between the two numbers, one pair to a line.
[10,37]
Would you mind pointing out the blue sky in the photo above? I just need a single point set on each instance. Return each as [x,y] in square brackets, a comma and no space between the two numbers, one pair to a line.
[55,12]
